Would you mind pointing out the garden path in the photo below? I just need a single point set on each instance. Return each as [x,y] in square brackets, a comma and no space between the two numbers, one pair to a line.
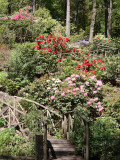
[64,150]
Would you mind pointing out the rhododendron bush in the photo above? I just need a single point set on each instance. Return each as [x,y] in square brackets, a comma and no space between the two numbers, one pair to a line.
[76,90]
[24,26]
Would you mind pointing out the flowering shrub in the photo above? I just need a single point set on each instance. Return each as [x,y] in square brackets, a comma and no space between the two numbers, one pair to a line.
[91,65]
[100,42]
[24,26]
[63,96]
[55,45]
[23,14]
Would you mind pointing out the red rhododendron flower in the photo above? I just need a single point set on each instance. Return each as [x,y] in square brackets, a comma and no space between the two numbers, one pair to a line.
[38,43]
[48,41]
[44,48]
[63,45]
[73,49]
[53,52]
[67,39]
[78,66]
[99,60]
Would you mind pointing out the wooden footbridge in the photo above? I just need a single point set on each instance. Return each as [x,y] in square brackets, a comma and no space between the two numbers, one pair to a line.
[11,110]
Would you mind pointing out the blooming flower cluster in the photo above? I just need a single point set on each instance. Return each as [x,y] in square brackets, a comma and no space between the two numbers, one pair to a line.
[90,66]
[55,45]
[82,89]
[23,14]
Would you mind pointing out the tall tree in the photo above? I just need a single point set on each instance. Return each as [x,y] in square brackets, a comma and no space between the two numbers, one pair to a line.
[76,12]
[68,19]
[9,7]
[94,12]
[106,15]
[33,4]
[109,19]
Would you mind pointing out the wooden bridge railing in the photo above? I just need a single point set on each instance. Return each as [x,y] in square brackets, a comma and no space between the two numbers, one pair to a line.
[11,111]
[68,126]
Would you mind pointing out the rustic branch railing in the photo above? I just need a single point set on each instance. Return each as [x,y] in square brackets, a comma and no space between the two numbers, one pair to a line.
[68,126]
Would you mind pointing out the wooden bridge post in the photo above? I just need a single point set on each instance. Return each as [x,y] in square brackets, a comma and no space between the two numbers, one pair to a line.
[14,108]
[39,147]
[87,141]
[45,141]
[9,122]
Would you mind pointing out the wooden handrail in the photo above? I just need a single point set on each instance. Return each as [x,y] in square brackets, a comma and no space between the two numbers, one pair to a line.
[44,107]
[78,113]
[83,117]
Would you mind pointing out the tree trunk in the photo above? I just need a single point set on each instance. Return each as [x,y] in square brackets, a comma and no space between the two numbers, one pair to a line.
[68,19]
[34,3]
[93,20]
[106,16]
[9,7]
[109,20]
[76,13]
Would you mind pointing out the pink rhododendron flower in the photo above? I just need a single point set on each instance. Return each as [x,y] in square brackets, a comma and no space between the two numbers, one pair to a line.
[85,94]
[98,89]
[89,103]
[69,82]
[83,76]
[87,83]
[63,94]
[81,86]
[68,78]
[91,99]
[101,109]
[57,91]
[77,89]
[99,83]
[73,75]
[74,93]
[68,91]
[96,99]
[74,89]
[94,92]
[77,76]
[82,91]
[99,103]
[92,77]
[52,97]
[73,79]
